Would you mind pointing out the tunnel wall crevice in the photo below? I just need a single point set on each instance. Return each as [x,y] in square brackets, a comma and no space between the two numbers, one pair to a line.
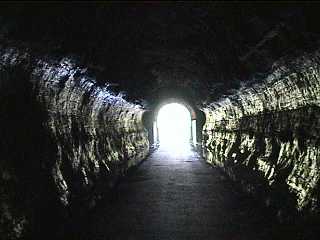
[65,141]
[267,136]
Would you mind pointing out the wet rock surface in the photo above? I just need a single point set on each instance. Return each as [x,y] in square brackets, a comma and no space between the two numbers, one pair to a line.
[267,136]
[65,142]
[76,80]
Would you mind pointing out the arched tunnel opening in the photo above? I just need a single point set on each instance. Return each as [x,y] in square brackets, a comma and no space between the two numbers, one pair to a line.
[159,121]
[174,122]
[173,125]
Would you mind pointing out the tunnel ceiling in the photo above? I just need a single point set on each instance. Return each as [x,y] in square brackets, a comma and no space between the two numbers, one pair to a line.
[149,51]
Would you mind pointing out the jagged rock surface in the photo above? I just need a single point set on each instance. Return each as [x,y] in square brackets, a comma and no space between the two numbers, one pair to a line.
[267,136]
[64,140]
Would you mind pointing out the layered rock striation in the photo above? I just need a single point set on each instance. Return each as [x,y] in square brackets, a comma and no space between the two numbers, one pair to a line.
[266,136]
[65,140]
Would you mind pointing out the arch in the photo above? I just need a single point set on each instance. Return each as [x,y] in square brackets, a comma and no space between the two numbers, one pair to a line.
[173,125]
[175,100]
[150,116]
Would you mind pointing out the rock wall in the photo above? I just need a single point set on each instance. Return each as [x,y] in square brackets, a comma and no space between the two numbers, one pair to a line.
[65,140]
[267,136]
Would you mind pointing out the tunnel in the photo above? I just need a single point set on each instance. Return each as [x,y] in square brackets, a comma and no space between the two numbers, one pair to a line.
[159,120]
[173,124]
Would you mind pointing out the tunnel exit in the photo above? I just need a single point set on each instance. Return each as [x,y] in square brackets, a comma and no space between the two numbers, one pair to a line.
[174,125]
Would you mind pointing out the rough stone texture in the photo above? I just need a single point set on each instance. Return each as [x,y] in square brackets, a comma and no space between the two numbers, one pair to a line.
[267,136]
[55,148]
[201,50]
[64,141]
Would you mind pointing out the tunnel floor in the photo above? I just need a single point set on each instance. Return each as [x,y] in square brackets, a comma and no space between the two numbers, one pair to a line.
[176,195]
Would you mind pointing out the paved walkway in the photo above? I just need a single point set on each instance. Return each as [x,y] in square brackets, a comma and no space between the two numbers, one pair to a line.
[176,195]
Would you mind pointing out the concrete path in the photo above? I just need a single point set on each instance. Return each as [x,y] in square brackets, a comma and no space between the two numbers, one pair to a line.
[175,195]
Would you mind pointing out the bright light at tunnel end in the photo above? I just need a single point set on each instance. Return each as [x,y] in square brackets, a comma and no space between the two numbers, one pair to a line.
[174,125]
